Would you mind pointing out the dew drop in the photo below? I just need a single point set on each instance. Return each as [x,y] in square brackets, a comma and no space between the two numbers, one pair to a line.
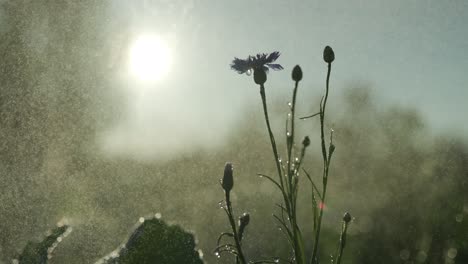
[221,205]
[158,215]
[141,220]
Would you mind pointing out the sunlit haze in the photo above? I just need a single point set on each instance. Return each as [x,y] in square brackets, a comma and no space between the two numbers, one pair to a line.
[150,58]
[111,111]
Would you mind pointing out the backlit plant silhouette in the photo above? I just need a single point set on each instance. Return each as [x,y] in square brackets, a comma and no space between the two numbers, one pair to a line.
[289,172]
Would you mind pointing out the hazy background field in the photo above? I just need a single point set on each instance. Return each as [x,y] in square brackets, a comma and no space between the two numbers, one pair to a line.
[82,141]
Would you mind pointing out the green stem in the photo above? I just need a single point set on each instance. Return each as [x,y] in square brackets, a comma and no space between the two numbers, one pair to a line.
[272,138]
[298,243]
[326,165]
[240,256]
[342,241]
[275,149]
[290,141]
[286,197]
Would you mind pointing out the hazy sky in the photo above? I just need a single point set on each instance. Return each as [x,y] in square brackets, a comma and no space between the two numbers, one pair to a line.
[411,52]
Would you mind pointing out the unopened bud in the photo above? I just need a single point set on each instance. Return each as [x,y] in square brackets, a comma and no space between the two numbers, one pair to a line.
[297,73]
[331,149]
[306,141]
[347,217]
[328,54]
[260,76]
[228,179]
[244,220]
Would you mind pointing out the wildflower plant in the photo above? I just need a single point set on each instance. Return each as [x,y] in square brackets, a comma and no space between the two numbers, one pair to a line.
[288,171]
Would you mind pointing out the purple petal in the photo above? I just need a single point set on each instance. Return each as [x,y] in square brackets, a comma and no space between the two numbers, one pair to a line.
[275,67]
[241,66]
[272,57]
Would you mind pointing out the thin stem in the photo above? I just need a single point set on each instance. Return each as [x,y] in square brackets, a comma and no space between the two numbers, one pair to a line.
[225,246]
[290,135]
[306,117]
[313,184]
[285,228]
[292,197]
[272,138]
[290,141]
[273,146]
[325,165]
[271,179]
[240,255]
[342,241]
[286,194]
[222,235]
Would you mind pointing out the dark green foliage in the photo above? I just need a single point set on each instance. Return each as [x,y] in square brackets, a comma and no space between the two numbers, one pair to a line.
[154,241]
[38,253]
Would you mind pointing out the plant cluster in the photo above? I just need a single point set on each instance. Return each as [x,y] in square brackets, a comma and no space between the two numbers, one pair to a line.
[289,172]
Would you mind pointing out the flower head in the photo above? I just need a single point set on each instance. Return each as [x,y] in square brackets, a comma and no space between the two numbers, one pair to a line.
[263,61]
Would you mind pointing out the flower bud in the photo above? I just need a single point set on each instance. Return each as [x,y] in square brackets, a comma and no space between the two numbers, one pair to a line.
[260,76]
[347,217]
[331,149]
[306,141]
[244,220]
[297,73]
[228,180]
[328,54]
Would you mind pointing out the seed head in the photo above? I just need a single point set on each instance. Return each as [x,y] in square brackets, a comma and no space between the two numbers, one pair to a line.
[328,54]
[306,141]
[228,180]
[297,73]
[260,76]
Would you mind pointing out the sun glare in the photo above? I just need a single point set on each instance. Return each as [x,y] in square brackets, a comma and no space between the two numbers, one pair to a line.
[150,58]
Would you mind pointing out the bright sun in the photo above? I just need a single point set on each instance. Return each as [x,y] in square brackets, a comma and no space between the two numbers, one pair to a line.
[150,58]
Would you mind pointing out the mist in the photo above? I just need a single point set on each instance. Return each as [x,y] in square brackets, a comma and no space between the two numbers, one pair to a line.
[84,143]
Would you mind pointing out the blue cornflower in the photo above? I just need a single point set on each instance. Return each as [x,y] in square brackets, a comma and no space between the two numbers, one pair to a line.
[263,60]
